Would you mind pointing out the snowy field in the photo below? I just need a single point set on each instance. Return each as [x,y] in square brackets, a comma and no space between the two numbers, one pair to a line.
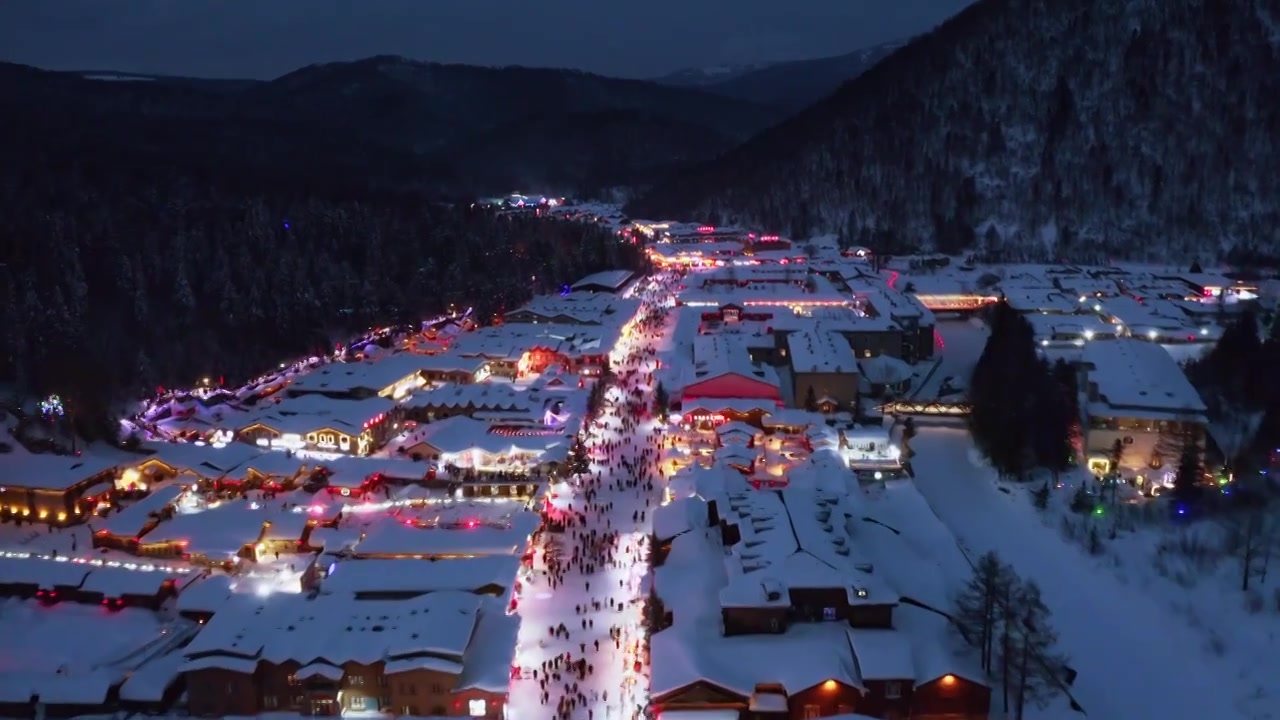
[1137,654]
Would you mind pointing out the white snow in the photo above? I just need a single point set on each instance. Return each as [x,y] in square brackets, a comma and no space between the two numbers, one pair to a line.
[1135,657]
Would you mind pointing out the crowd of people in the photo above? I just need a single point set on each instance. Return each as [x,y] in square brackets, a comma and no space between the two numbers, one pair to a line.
[583,646]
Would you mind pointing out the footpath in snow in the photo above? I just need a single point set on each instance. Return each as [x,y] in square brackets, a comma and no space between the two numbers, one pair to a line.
[1136,658]
[582,653]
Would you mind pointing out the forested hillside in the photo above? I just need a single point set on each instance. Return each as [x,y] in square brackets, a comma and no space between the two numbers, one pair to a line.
[1089,129]
[135,255]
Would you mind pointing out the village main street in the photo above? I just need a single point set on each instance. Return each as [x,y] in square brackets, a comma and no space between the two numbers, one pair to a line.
[582,652]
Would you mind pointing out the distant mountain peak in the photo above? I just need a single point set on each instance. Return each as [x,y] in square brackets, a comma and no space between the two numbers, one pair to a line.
[709,75]
[797,84]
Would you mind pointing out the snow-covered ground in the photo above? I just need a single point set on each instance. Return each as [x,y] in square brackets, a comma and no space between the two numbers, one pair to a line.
[959,343]
[1137,657]
[603,610]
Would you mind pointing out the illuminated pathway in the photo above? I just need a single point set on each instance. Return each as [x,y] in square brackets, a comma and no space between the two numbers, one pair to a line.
[601,611]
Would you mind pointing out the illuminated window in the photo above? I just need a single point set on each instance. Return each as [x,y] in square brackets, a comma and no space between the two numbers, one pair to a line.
[475,708]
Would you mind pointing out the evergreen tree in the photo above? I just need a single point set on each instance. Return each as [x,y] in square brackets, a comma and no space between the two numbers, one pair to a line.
[1040,498]
[1081,501]
[1053,432]
[1006,387]
[661,400]
[1187,482]
[579,462]
[1095,542]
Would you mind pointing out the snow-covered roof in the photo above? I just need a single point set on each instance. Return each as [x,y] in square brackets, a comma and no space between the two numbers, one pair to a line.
[689,581]
[149,682]
[394,538]
[25,470]
[512,340]
[504,396]
[580,307]
[45,574]
[1134,375]
[205,595]
[460,433]
[742,405]
[486,665]
[795,538]
[883,654]
[813,351]
[1030,300]
[679,516]
[53,688]
[375,375]
[320,669]
[223,530]
[1149,314]
[709,483]
[422,576]
[813,654]
[118,582]
[276,464]
[612,279]
[736,427]
[203,459]
[807,289]
[338,629]
[451,362]
[884,370]
[134,518]
[364,467]
[308,413]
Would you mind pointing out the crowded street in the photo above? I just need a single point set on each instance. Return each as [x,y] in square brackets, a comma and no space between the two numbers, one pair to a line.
[582,651]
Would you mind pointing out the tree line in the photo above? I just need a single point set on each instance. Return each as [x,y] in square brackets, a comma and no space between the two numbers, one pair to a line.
[120,278]
[1238,384]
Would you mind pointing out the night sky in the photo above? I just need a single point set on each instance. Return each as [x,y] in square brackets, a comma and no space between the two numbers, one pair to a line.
[267,38]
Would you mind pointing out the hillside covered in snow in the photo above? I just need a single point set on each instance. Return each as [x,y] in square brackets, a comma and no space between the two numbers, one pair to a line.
[1088,129]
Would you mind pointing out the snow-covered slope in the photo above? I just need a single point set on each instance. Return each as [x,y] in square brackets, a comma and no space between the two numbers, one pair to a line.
[1084,129]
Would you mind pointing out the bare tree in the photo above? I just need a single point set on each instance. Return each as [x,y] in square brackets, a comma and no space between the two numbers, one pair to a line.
[1034,665]
[978,604]
[1249,535]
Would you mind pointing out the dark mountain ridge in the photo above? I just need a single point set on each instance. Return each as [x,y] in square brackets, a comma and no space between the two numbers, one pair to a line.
[793,86]
[423,121]
[1089,129]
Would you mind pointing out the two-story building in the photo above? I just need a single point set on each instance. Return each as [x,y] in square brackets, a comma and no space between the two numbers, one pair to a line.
[777,577]
[1139,406]
[444,654]
[54,489]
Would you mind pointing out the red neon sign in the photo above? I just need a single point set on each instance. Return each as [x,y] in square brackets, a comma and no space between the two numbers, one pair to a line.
[704,229]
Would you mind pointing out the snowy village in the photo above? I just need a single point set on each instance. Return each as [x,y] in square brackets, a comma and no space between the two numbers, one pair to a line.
[788,480]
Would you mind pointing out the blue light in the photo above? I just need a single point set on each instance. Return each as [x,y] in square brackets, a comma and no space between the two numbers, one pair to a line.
[286,224]
[1182,510]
